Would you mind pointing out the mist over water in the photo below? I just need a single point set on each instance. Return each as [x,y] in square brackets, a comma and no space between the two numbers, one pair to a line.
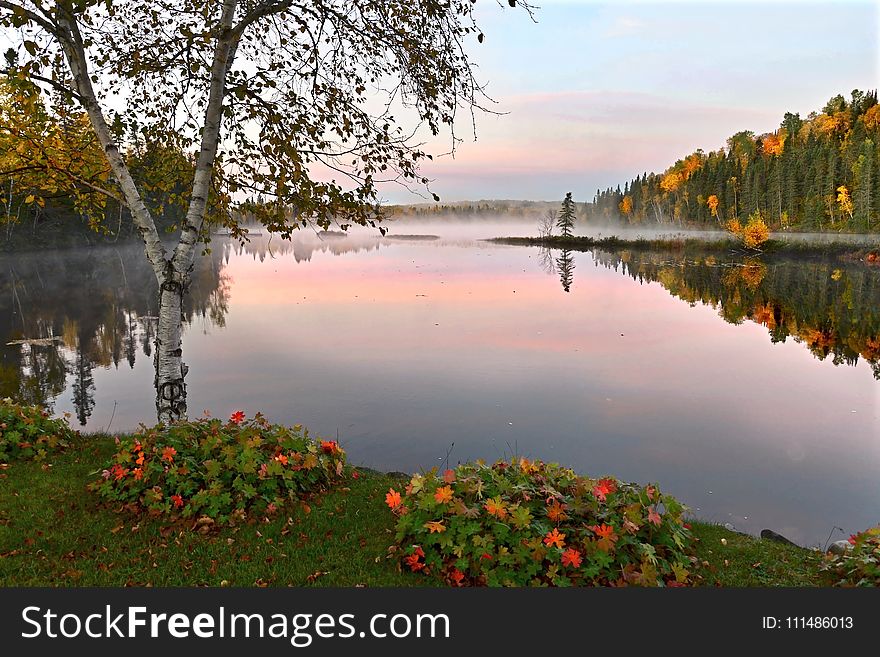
[748,390]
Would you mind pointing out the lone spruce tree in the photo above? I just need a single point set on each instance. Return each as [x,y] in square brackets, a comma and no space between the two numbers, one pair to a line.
[565,223]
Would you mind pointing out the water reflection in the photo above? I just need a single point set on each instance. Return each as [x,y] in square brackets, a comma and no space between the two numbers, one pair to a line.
[405,346]
[64,313]
[565,267]
[829,306]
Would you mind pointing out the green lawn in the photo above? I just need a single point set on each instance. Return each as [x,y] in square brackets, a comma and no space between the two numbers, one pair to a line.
[53,532]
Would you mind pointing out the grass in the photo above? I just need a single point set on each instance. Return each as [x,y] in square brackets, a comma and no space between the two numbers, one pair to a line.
[53,532]
[732,559]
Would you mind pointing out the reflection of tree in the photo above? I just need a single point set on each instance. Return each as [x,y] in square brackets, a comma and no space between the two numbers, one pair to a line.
[83,387]
[77,309]
[303,246]
[545,260]
[565,267]
[832,308]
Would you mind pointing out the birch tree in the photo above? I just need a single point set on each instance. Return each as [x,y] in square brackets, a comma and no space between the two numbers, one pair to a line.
[311,104]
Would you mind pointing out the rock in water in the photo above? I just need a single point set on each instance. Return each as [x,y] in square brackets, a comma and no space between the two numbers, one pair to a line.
[770,535]
[839,547]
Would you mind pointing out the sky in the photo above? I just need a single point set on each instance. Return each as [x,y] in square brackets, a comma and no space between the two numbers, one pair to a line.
[595,93]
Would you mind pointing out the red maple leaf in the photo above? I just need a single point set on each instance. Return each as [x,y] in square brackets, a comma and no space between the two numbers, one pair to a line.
[571,557]
[604,487]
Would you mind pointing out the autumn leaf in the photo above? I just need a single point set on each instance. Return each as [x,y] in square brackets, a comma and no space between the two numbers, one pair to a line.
[435,527]
[495,507]
[556,511]
[449,476]
[443,495]
[393,499]
[554,537]
[571,558]
[603,488]
[653,516]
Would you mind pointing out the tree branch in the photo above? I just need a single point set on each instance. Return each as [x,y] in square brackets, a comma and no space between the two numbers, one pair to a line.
[12,72]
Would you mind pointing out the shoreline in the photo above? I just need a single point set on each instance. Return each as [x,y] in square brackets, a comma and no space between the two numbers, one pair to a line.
[869,254]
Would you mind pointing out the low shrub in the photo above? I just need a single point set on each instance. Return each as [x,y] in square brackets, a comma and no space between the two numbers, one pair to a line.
[527,522]
[222,470]
[28,433]
[858,567]
[754,234]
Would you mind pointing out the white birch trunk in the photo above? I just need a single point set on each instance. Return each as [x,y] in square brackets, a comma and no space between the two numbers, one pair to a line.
[170,369]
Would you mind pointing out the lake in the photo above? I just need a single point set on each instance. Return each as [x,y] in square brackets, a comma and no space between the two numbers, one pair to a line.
[747,388]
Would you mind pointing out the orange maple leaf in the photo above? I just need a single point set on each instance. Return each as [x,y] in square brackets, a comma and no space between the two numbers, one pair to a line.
[435,526]
[449,476]
[393,499]
[653,516]
[443,495]
[606,536]
[554,538]
[556,511]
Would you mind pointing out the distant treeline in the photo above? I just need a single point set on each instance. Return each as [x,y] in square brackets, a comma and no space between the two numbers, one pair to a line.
[813,173]
[478,209]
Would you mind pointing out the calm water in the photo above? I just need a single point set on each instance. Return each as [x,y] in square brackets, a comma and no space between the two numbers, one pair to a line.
[748,389]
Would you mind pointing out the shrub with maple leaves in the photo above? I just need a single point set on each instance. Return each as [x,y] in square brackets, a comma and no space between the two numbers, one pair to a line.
[218,469]
[521,522]
[858,567]
[28,433]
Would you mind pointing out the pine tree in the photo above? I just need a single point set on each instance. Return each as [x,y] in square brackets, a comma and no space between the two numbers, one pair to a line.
[565,223]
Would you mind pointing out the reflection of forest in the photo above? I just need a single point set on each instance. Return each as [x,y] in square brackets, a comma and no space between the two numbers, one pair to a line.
[70,311]
[305,244]
[831,307]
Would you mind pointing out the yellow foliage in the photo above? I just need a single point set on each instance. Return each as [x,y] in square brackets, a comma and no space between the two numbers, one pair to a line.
[774,144]
[838,123]
[712,202]
[626,205]
[871,118]
[753,273]
[691,165]
[734,227]
[844,200]
[671,181]
[756,232]
[51,155]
